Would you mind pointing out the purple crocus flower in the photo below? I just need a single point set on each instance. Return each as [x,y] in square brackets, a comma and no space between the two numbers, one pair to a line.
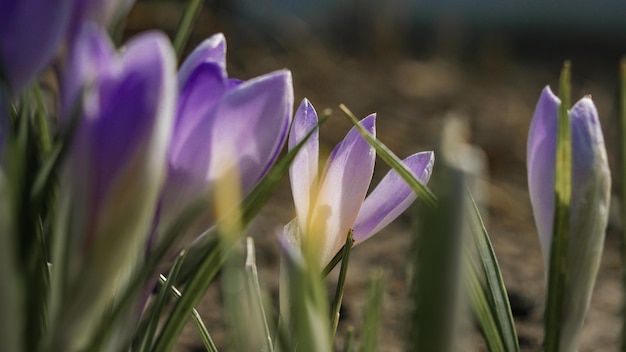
[30,34]
[115,168]
[330,204]
[222,123]
[591,183]
[102,12]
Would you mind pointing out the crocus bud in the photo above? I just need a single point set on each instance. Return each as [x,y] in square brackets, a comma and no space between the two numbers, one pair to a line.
[115,169]
[30,34]
[331,204]
[220,123]
[591,183]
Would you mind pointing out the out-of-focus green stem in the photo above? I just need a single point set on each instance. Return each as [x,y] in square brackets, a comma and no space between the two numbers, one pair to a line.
[560,231]
[341,281]
[186,25]
[349,345]
[42,122]
[202,330]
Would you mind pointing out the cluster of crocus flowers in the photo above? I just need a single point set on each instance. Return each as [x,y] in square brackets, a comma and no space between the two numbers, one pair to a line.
[591,183]
[115,167]
[330,204]
[147,142]
[221,124]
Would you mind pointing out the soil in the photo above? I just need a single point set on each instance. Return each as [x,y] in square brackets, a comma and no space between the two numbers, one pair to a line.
[493,86]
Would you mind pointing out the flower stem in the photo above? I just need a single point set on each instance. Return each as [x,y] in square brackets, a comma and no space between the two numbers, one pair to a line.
[560,237]
[186,25]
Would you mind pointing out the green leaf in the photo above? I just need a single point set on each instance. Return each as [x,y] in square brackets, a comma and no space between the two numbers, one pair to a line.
[254,292]
[251,206]
[341,281]
[560,232]
[209,259]
[186,25]
[482,308]
[393,161]
[498,301]
[152,319]
[373,310]
[435,289]
[142,276]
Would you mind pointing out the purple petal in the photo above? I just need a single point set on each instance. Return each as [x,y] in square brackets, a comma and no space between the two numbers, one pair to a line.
[130,99]
[30,34]
[89,52]
[589,213]
[587,143]
[304,169]
[541,153]
[199,95]
[250,121]
[343,187]
[391,197]
[212,50]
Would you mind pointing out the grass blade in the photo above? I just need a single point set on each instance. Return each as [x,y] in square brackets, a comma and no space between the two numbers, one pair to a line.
[560,232]
[499,305]
[436,288]
[186,25]
[205,264]
[341,281]
[393,161]
[254,291]
[159,305]
[373,311]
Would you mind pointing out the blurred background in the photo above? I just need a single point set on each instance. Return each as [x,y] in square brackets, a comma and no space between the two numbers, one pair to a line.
[417,63]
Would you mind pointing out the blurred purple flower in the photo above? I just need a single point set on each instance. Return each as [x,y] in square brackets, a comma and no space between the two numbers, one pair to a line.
[116,165]
[222,123]
[591,183]
[102,12]
[330,204]
[30,34]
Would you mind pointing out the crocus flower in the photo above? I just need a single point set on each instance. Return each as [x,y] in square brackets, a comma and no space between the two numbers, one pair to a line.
[330,204]
[591,183]
[102,12]
[30,34]
[222,123]
[114,172]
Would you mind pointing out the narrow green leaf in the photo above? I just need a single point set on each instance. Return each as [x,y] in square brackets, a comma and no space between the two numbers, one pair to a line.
[207,341]
[305,323]
[482,309]
[254,292]
[393,161]
[341,281]
[436,288]
[499,305]
[186,25]
[333,262]
[153,318]
[207,264]
[560,232]
[348,346]
[373,311]
[142,275]
[251,206]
